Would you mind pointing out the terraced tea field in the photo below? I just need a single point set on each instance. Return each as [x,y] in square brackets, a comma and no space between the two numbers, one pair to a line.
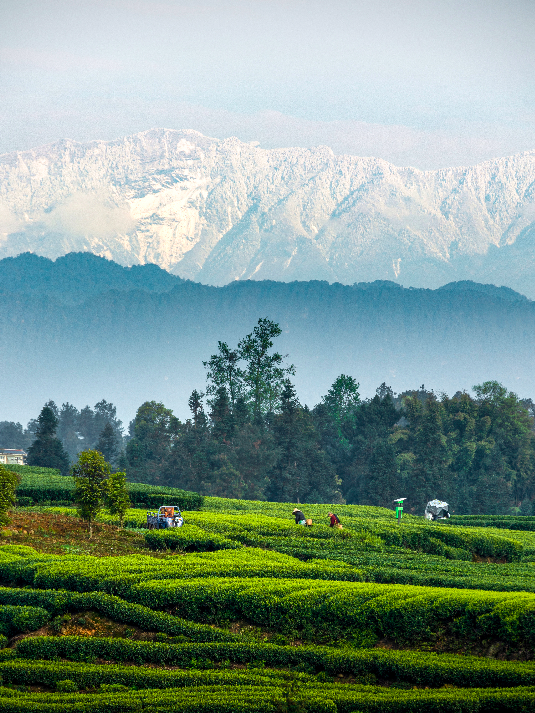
[242,610]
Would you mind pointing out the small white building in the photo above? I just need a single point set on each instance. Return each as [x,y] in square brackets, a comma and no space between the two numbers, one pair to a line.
[12,456]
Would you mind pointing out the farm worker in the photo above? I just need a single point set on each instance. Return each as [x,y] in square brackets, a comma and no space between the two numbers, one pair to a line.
[300,519]
[168,515]
[335,520]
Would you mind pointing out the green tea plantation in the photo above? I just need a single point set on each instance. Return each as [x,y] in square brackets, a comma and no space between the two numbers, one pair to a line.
[243,611]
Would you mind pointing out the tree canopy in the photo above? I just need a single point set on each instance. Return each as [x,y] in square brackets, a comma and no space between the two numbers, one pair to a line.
[248,436]
[47,451]
[90,474]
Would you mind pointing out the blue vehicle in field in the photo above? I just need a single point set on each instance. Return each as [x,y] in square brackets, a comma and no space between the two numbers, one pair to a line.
[167,516]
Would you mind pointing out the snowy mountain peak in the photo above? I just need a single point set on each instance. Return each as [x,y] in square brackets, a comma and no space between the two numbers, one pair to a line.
[221,210]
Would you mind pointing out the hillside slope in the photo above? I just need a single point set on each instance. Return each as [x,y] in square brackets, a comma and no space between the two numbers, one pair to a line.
[248,611]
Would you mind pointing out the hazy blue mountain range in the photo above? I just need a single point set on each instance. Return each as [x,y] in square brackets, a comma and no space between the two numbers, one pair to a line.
[222,210]
[148,342]
[77,276]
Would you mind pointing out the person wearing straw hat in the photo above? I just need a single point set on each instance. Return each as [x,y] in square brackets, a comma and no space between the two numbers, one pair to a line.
[300,518]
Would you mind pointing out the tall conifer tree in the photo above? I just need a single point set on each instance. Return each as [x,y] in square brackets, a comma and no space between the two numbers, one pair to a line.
[302,472]
[107,444]
[47,451]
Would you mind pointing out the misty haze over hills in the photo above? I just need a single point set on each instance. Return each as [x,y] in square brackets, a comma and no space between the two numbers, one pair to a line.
[216,211]
[83,328]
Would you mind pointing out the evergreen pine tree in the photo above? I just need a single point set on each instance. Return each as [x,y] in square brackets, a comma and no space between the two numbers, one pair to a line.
[155,431]
[221,416]
[67,430]
[104,413]
[371,424]
[302,472]
[196,407]
[430,477]
[86,427]
[47,451]
[224,371]
[383,483]
[253,454]
[122,461]
[188,463]
[342,401]
[264,375]
[13,435]
[107,444]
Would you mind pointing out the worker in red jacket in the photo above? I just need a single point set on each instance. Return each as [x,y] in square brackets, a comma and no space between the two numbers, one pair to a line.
[334,519]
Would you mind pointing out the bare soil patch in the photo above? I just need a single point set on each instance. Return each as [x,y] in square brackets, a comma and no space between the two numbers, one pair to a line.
[54,533]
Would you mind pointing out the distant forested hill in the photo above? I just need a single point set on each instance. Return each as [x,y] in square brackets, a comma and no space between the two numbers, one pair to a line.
[77,276]
[84,328]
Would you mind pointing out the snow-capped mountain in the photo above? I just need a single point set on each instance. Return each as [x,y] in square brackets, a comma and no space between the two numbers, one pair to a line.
[221,210]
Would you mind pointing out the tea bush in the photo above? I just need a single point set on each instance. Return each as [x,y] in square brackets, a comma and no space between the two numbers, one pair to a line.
[188,539]
[17,618]
[429,669]
[47,485]
[267,695]
[59,602]
[342,609]
[219,623]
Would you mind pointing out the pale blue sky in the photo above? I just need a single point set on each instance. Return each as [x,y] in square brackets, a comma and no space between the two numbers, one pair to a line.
[422,82]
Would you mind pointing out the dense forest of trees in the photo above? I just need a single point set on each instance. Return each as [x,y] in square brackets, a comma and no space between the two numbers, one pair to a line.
[248,436]
[90,428]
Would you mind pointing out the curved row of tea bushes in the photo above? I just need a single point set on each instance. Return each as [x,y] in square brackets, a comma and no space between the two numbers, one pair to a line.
[255,525]
[61,601]
[365,533]
[415,534]
[361,534]
[267,698]
[313,607]
[87,675]
[188,539]
[326,559]
[506,522]
[425,669]
[16,618]
[317,511]
[205,699]
[433,575]
[341,609]
[275,696]
[395,565]
[332,560]
[402,567]
[116,575]
[44,485]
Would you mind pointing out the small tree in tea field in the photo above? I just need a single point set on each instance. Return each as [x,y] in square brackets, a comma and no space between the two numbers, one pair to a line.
[90,480]
[116,495]
[8,486]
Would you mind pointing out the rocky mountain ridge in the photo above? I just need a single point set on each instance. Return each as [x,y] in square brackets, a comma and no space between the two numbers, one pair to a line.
[221,210]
